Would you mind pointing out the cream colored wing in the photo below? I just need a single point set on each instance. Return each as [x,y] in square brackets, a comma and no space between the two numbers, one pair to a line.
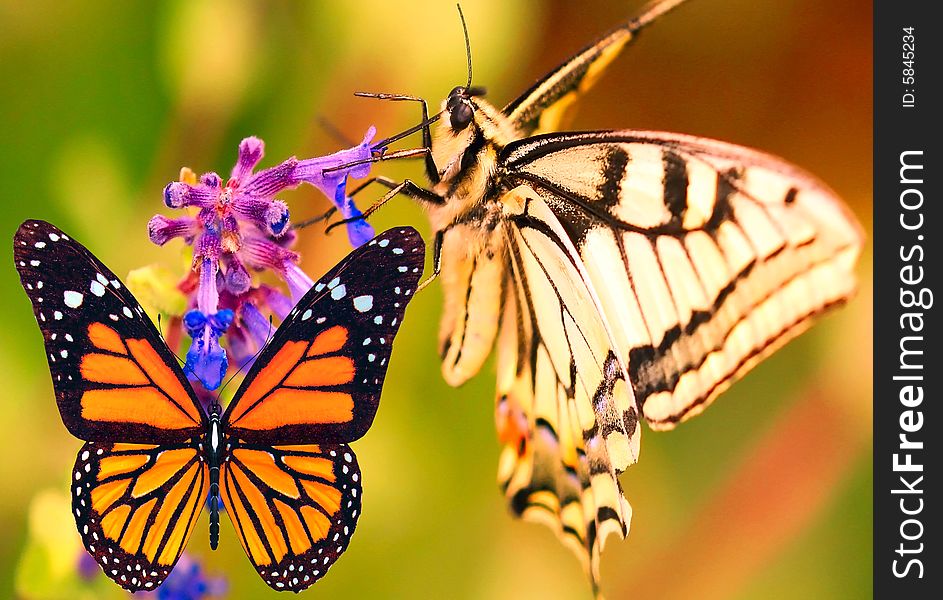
[472,278]
[705,256]
[565,413]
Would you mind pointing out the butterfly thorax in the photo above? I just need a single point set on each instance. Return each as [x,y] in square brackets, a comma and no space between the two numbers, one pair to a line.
[468,164]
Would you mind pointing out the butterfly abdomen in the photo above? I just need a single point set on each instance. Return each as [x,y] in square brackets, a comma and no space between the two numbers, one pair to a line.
[214,454]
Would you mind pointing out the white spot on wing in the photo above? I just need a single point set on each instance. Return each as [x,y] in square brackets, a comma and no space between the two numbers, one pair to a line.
[97,288]
[73,299]
[338,292]
[363,303]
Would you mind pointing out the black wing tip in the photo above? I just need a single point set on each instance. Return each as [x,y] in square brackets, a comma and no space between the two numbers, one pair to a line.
[31,226]
[24,240]
[407,246]
[404,234]
[25,231]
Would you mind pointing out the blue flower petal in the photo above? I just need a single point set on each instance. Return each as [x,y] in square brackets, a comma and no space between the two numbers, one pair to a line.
[188,581]
[206,359]
[359,232]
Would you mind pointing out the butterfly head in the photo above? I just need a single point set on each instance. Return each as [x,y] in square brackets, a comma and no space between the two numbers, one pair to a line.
[466,114]
[459,106]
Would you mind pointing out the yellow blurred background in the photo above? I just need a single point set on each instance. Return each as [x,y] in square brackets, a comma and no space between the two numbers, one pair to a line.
[767,495]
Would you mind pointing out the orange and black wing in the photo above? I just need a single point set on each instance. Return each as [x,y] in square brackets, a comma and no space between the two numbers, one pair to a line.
[115,378]
[135,506]
[321,375]
[294,508]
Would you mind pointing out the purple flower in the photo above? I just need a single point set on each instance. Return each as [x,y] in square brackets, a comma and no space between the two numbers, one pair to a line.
[88,567]
[334,184]
[188,581]
[238,226]
[254,328]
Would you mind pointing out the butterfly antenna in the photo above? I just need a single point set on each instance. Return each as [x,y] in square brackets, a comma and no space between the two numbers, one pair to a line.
[333,131]
[160,331]
[467,44]
[248,361]
[381,145]
[318,219]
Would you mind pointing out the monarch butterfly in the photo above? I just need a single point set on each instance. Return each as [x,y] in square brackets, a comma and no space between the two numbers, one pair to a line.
[622,275]
[277,457]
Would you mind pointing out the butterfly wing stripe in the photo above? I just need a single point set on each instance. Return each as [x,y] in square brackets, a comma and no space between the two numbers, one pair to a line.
[268,378]
[321,375]
[113,375]
[164,376]
[715,170]
[547,99]
[138,389]
[105,338]
[544,469]
[472,282]
[571,434]
[103,368]
[136,506]
[294,508]
[322,372]
[736,254]
[577,324]
[331,340]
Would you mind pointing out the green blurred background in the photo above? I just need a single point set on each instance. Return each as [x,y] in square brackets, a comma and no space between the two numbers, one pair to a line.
[767,495]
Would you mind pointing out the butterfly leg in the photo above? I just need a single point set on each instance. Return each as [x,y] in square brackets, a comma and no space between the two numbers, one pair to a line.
[333,210]
[432,171]
[406,187]
[324,217]
[436,259]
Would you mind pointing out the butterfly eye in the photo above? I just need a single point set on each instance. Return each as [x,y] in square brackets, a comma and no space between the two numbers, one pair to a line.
[460,116]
